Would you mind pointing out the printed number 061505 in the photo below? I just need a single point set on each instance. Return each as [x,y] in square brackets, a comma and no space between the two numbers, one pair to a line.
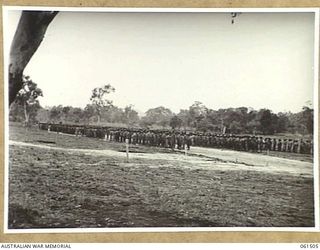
[310,246]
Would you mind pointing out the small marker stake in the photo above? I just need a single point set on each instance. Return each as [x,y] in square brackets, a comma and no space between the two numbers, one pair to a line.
[57,135]
[127,149]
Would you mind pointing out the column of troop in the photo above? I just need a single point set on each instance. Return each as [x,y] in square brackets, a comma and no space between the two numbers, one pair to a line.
[184,140]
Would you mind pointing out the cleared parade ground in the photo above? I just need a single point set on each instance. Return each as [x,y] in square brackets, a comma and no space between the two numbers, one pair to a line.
[59,181]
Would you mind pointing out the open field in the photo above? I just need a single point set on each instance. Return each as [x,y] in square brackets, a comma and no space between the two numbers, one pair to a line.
[62,181]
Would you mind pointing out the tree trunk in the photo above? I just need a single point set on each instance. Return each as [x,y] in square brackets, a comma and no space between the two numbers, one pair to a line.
[26,114]
[29,34]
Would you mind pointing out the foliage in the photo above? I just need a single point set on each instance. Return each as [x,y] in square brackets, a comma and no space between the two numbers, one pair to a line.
[241,120]
[159,116]
[183,115]
[265,119]
[197,112]
[130,116]
[307,119]
[26,102]
[99,101]
[175,122]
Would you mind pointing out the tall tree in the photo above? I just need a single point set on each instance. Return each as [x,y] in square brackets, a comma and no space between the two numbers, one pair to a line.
[185,118]
[42,115]
[77,115]
[30,32]
[175,122]
[283,123]
[55,114]
[131,116]
[197,112]
[159,116]
[306,119]
[89,111]
[98,99]
[113,114]
[265,121]
[27,97]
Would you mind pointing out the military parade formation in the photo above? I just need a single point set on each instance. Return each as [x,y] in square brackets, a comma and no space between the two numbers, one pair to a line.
[183,140]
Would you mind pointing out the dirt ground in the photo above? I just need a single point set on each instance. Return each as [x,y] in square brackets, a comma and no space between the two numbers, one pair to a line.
[62,181]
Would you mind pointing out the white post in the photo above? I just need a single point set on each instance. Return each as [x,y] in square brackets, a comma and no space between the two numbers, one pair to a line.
[57,135]
[185,150]
[299,147]
[127,149]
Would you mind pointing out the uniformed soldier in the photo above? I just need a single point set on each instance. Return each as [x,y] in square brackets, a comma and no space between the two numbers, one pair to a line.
[134,138]
[279,145]
[268,145]
[188,140]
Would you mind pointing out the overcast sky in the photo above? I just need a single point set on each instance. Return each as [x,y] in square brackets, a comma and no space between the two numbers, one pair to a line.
[175,59]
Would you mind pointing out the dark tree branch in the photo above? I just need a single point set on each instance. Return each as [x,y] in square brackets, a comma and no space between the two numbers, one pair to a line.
[28,37]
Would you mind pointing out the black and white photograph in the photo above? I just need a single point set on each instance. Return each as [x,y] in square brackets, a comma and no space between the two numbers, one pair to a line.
[161,119]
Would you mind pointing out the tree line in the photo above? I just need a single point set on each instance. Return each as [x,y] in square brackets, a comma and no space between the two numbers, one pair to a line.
[101,111]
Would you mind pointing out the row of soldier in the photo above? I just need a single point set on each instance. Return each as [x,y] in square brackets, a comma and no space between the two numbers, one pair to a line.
[182,140]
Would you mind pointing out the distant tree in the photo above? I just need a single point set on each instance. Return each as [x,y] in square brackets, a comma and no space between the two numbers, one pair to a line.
[159,116]
[283,123]
[266,121]
[89,111]
[197,112]
[175,122]
[306,119]
[27,97]
[274,124]
[16,113]
[185,118]
[145,122]
[242,117]
[205,125]
[253,123]
[131,116]
[230,116]
[99,101]
[235,127]
[216,120]
[66,113]
[43,115]
[113,114]
[55,114]
[77,115]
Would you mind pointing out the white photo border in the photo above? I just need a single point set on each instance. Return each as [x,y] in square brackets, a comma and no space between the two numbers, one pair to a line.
[6,46]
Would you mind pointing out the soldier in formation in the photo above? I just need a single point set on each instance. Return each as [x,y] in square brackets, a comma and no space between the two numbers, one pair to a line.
[184,140]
